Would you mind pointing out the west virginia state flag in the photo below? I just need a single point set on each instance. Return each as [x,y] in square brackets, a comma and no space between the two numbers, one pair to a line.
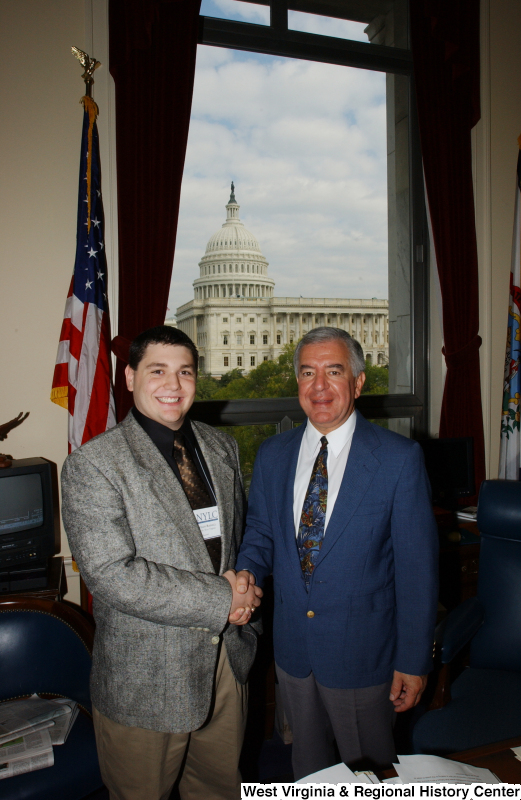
[510,451]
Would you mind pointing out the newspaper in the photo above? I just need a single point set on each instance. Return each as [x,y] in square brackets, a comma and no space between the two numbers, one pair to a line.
[9,769]
[30,745]
[29,729]
[7,737]
[16,715]
[62,725]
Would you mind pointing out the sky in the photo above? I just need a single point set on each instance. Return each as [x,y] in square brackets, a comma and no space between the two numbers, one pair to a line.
[305,144]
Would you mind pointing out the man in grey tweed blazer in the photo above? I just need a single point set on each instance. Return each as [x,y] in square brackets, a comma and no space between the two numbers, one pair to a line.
[173,642]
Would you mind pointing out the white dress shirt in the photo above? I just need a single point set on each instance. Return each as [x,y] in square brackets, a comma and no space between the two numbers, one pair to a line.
[338,447]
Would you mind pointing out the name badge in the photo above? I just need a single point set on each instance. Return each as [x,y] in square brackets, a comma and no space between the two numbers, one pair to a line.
[208,521]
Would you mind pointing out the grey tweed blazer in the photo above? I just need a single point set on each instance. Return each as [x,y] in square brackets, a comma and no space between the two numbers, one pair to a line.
[160,610]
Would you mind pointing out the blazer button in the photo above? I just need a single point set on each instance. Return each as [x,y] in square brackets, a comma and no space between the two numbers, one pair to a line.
[215,640]
[311,614]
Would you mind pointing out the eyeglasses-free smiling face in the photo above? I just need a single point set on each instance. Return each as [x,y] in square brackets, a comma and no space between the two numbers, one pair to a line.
[164,383]
[327,389]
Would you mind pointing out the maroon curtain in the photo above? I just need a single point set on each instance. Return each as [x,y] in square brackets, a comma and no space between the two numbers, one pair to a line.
[445,45]
[152,60]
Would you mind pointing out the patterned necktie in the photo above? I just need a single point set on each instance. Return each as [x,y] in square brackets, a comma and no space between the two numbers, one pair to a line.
[313,517]
[196,492]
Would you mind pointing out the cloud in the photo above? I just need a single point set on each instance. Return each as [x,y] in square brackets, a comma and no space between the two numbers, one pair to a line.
[306,146]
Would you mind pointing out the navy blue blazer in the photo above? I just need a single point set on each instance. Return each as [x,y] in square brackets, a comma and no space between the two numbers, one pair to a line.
[374,589]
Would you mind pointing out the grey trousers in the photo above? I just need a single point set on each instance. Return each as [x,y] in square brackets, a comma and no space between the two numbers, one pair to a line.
[359,720]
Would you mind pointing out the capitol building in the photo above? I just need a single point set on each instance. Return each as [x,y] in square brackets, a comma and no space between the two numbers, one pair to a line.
[236,320]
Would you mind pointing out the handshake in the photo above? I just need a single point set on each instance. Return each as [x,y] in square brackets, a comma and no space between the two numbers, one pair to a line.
[245,596]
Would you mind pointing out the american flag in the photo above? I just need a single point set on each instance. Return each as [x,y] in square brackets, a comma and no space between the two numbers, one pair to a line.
[510,447]
[81,380]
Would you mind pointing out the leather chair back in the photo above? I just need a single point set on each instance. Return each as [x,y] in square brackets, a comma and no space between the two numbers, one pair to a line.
[497,644]
[45,647]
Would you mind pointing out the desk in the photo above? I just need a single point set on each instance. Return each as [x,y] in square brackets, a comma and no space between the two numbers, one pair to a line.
[497,757]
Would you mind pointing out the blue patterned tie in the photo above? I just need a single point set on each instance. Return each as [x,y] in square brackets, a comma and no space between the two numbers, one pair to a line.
[313,517]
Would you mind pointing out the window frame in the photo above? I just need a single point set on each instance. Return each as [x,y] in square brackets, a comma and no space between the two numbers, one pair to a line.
[277,40]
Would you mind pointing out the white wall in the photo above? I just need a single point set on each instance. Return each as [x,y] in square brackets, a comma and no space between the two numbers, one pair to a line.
[40,140]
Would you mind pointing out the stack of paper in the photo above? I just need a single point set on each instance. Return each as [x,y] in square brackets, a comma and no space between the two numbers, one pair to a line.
[339,774]
[517,752]
[467,514]
[29,729]
[435,769]
[411,769]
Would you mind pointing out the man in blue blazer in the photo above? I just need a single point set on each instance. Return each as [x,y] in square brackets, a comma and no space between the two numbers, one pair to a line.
[340,513]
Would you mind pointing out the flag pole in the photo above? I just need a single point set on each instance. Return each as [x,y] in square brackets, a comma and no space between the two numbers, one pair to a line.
[82,373]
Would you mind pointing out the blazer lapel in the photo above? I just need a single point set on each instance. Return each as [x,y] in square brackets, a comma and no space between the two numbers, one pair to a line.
[360,469]
[223,473]
[284,481]
[166,488]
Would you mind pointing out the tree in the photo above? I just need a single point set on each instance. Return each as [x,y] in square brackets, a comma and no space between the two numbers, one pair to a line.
[376,380]
[270,379]
[206,387]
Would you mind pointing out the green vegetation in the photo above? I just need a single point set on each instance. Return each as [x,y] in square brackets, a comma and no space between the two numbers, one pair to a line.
[376,380]
[269,379]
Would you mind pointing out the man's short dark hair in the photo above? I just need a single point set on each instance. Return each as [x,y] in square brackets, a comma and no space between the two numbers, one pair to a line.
[161,334]
[325,334]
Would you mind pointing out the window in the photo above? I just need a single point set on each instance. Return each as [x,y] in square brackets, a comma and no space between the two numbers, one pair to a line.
[252,361]
[226,360]
[265,319]
[225,339]
[225,319]
[239,361]
[238,319]
[239,338]
[264,338]
[252,338]
[252,319]
[265,358]
[404,192]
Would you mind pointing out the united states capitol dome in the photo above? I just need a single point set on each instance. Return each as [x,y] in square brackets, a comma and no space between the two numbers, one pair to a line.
[232,235]
[233,264]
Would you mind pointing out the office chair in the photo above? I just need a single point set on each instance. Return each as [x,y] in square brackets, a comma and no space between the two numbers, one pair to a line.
[46,649]
[486,697]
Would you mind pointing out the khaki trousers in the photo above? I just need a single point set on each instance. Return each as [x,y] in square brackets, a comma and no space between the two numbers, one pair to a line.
[140,764]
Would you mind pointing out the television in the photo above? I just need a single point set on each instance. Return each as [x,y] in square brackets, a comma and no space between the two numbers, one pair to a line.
[28,523]
[450,467]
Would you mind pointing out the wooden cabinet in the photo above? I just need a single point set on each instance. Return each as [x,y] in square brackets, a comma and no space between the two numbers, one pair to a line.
[459,565]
